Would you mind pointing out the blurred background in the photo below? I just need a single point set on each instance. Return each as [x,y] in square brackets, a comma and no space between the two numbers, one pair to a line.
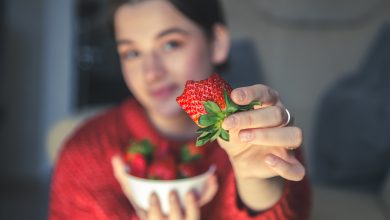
[329,59]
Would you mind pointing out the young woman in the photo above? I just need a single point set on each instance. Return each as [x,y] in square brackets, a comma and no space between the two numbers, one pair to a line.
[162,44]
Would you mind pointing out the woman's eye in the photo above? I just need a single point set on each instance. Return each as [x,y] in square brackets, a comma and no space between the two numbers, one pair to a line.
[130,55]
[171,45]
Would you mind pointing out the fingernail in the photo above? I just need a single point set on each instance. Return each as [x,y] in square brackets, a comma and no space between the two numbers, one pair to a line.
[229,123]
[246,136]
[153,199]
[270,160]
[190,197]
[239,95]
[172,197]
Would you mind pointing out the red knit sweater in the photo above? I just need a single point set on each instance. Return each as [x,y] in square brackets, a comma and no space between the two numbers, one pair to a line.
[83,185]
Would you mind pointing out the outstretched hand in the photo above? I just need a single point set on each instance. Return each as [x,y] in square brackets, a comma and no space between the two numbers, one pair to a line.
[261,142]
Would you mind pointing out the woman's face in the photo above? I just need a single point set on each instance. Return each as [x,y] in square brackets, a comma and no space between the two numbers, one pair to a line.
[160,49]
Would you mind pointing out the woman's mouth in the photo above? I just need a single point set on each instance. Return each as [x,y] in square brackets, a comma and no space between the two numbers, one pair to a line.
[164,92]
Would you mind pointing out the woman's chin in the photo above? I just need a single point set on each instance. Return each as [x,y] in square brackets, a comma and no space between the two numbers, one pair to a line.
[168,111]
[171,113]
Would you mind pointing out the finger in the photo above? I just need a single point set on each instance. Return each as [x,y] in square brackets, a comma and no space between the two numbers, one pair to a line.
[293,171]
[118,168]
[174,207]
[271,116]
[154,208]
[120,175]
[192,207]
[140,212]
[259,92]
[287,137]
[210,191]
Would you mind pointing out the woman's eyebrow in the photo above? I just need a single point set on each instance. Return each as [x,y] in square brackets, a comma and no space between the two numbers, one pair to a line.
[123,41]
[160,35]
[172,30]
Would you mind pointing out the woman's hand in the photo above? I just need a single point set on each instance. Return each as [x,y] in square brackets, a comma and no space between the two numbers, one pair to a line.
[192,203]
[260,143]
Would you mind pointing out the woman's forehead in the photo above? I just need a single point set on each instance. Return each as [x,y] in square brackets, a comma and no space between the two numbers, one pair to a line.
[149,18]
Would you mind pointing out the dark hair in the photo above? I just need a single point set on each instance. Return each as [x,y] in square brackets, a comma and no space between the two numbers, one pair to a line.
[205,13]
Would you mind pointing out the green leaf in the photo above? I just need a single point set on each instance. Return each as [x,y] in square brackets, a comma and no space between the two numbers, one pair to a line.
[224,135]
[231,107]
[211,107]
[250,106]
[211,121]
[186,155]
[143,147]
[202,139]
[205,129]
[216,135]
[205,133]
[200,142]
[208,119]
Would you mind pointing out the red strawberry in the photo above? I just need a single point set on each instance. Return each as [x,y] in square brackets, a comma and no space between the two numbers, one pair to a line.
[197,92]
[143,147]
[188,170]
[208,103]
[191,152]
[162,150]
[163,169]
[137,155]
[138,165]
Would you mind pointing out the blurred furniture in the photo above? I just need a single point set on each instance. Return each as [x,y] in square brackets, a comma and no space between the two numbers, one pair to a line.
[351,146]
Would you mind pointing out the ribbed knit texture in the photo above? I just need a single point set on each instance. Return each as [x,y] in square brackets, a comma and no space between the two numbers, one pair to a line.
[83,185]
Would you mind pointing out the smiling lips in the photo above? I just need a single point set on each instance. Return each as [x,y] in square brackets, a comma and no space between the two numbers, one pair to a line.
[164,92]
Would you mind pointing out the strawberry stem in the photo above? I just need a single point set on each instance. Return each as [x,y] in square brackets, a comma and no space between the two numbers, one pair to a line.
[212,121]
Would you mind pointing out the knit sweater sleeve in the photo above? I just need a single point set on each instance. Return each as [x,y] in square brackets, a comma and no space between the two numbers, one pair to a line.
[294,203]
[83,186]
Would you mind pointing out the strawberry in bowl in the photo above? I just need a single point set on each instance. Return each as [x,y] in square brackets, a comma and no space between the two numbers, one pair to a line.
[158,169]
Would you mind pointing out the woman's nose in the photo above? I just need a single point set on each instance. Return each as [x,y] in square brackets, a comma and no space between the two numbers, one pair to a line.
[153,66]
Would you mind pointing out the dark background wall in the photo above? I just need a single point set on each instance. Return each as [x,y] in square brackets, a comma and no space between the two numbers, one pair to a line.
[35,90]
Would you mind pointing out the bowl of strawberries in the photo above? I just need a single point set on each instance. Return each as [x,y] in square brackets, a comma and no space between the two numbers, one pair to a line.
[161,169]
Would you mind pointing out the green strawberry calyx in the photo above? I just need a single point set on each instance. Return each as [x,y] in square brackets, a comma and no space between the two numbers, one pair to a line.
[212,121]
[187,157]
[143,147]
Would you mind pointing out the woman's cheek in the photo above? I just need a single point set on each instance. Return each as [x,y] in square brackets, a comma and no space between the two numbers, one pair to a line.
[191,67]
[132,80]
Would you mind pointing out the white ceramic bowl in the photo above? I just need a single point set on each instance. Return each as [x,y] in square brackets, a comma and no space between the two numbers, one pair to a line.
[143,188]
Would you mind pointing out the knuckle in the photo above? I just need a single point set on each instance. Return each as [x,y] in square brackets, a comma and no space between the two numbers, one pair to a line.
[255,89]
[276,93]
[278,114]
[261,135]
[235,120]
[268,91]
[249,121]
